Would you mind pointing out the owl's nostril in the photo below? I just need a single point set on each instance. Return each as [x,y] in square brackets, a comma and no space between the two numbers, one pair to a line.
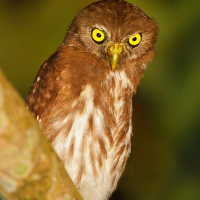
[121,48]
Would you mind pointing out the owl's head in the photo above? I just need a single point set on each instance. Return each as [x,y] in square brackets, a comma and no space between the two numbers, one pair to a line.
[115,30]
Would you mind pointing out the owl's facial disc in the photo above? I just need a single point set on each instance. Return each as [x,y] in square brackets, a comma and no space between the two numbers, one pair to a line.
[114,53]
[114,50]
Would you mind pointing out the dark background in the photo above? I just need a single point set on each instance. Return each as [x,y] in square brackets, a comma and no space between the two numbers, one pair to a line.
[165,159]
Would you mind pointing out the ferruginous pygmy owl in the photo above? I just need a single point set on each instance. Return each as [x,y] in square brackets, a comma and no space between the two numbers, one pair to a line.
[82,95]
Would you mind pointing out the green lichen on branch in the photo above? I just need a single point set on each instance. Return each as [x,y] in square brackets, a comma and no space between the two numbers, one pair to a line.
[29,167]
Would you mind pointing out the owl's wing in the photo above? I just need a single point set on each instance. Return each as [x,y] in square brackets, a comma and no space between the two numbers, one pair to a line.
[43,92]
[60,80]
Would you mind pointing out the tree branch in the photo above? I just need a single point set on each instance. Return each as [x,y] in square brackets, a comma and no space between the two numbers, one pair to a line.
[29,167]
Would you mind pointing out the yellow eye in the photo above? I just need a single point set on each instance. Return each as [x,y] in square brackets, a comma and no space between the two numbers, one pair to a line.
[98,36]
[135,40]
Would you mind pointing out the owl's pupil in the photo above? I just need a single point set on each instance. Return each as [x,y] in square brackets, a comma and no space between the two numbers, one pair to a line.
[134,39]
[98,35]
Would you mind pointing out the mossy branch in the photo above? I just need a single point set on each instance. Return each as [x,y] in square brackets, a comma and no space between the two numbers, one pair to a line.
[29,167]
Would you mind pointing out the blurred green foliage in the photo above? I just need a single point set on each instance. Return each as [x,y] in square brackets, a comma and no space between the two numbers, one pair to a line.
[165,159]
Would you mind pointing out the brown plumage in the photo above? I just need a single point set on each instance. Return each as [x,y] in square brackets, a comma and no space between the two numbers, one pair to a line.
[82,94]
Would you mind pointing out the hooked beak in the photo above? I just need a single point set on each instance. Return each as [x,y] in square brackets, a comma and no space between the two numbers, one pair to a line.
[114,53]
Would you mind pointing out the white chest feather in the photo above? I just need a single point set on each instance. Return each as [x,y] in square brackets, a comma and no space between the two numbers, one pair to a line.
[94,149]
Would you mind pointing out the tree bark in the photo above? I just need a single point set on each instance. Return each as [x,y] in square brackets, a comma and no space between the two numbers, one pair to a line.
[29,167]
